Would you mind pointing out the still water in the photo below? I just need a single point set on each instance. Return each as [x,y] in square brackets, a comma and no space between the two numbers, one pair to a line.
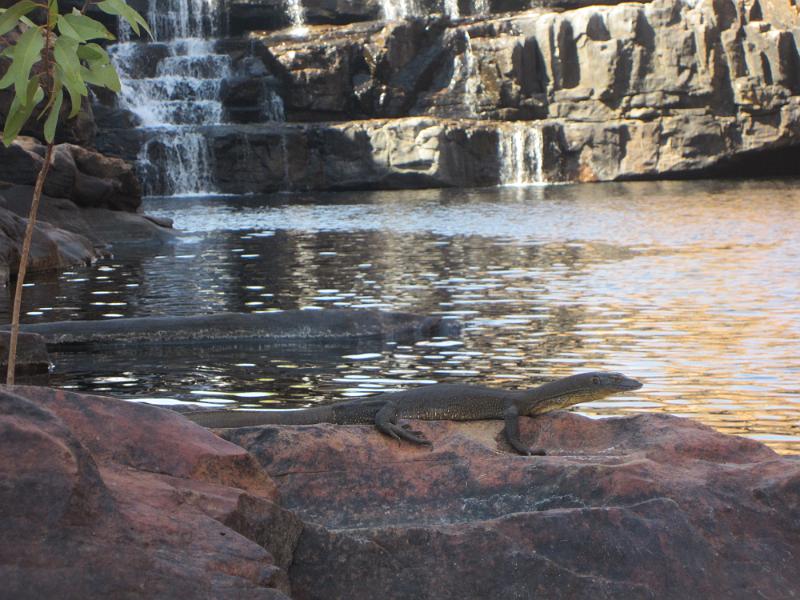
[692,287]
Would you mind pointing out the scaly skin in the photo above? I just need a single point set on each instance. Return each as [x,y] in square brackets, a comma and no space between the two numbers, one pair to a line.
[455,402]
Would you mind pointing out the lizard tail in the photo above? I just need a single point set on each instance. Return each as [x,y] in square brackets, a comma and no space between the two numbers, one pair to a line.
[223,419]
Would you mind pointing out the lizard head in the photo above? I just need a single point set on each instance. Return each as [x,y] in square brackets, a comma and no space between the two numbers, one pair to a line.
[583,387]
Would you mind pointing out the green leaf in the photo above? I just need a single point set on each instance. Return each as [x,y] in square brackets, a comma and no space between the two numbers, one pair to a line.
[52,10]
[10,16]
[82,28]
[64,28]
[102,75]
[27,52]
[8,78]
[21,109]
[93,53]
[76,89]
[52,118]
[65,52]
[121,9]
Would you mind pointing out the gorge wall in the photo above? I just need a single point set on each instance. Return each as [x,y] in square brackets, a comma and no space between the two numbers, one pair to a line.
[507,94]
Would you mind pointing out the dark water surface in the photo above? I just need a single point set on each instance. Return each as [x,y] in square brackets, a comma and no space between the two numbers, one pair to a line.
[693,287]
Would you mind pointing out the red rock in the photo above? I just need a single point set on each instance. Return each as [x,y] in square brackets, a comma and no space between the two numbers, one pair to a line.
[641,507]
[103,498]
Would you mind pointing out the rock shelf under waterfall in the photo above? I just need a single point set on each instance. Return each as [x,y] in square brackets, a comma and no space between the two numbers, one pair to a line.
[261,96]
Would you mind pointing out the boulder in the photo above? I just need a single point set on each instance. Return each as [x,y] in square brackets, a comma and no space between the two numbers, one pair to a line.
[104,227]
[103,498]
[52,248]
[86,177]
[275,327]
[649,506]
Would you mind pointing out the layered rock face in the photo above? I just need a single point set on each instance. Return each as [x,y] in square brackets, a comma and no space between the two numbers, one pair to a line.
[637,90]
[631,90]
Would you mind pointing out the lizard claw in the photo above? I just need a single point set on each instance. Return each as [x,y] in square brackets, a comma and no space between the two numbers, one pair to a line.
[415,437]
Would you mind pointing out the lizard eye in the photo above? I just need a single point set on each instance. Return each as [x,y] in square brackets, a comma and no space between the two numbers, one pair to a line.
[596,380]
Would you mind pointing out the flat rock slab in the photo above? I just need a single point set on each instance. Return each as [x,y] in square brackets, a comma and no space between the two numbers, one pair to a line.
[32,357]
[276,326]
[102,498]
[650,506]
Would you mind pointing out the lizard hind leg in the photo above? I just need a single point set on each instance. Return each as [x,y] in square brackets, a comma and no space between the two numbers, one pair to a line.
[386,421]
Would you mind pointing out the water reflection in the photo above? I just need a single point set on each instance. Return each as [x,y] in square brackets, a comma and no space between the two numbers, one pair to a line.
[690,286]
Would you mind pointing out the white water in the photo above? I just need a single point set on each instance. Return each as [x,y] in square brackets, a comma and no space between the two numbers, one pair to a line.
[297,16]
[395,10]
[451,8]
[481,7]
[520,150]
[180,96]
[467,78]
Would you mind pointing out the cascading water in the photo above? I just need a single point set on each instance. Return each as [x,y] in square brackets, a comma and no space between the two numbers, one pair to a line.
[297,16]
[520,148]
[173,86]
[179,96]
[451,8]
[481,7]
[395,10]
[466,78]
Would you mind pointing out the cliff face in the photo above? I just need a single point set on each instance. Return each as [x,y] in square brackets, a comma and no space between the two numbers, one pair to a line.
[671,88]
[619,91]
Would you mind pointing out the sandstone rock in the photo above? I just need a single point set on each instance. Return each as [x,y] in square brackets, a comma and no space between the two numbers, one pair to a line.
[103,498]
[32,358]
[385,154]
[640,507]
[84,176]
[103,227]
[51,248]
[629,90]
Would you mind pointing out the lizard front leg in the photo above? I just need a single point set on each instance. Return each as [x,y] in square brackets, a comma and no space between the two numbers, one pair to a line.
[511,417]
[386,421]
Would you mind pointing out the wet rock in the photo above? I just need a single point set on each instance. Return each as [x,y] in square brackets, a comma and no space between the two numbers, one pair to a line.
[276,327]
[649,506]
[102,226]
[103,498]
[32,357]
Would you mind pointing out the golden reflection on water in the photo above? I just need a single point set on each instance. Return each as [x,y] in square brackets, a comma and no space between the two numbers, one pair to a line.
[691,287]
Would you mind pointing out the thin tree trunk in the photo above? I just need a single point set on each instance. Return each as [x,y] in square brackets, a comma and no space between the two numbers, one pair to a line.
[23,264]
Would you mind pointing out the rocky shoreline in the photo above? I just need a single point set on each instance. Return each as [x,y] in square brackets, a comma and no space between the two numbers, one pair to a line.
[109,498]
[89,201]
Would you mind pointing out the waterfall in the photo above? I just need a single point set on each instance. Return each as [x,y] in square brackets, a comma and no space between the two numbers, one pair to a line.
[173,86]
[177,97]
[395,10]
[481,7]
[520,149]
[467,77]
[297,17]
[451,8]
